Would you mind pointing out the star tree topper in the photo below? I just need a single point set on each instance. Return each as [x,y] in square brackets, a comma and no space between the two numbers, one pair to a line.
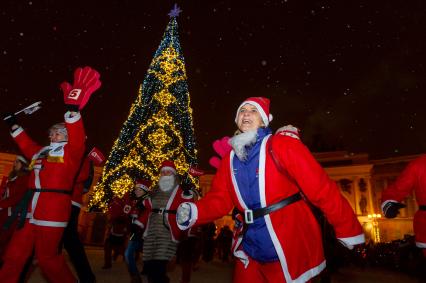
[175,11]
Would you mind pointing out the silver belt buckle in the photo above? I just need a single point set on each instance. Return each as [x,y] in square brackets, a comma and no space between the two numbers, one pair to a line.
[248,216]
[161,211]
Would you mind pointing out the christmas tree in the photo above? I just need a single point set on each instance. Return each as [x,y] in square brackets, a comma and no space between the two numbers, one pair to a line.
[159,126]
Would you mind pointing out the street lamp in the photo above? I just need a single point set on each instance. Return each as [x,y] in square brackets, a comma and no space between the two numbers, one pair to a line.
[375,231]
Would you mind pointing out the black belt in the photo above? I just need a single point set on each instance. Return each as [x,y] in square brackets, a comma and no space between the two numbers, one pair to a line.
[162,211]
[251,215]
[59,191]
[422,207]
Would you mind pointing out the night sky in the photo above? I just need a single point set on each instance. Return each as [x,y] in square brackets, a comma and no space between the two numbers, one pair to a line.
[350,74]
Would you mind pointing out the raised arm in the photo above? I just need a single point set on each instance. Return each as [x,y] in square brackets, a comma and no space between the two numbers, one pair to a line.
[393,195]
[27,146]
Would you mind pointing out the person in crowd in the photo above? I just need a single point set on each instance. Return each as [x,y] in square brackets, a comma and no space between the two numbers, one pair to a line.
[134,204]
[189,251]
[71,239]
[53,170]
[161,233]
[119,222]
[412,179]
[224,242]
[12,189]
[268,177]
[208,239]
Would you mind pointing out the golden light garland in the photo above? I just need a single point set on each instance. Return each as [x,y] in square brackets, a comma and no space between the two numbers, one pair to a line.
[148,144]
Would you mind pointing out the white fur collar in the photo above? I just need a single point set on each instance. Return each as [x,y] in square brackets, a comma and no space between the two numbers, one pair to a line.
[241,141]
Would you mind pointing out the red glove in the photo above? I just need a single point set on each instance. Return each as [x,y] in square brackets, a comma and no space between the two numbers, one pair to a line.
[96,156]
[222,147]
[86,81]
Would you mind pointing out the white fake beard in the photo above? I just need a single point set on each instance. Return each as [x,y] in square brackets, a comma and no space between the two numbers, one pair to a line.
[239,143]
[166,183]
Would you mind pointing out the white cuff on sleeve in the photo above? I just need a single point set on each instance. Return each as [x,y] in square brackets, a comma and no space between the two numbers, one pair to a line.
[16,132]
[72,119]
[350,242]
[386,202]
[137,222]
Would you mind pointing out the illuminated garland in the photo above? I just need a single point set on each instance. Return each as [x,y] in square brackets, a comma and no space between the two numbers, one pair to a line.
[159,127]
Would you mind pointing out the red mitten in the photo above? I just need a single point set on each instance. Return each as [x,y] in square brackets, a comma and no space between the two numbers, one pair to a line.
[222,147]
[96,156]
[215,162]
[86,81]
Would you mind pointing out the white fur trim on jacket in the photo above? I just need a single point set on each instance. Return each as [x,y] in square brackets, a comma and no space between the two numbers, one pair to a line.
[350,242]
[138,223]
[16,132]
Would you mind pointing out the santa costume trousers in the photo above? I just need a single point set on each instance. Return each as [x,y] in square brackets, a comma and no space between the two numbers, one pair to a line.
[45,242]
[257,272]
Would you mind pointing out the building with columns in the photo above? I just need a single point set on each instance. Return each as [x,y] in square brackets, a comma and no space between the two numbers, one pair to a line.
[360,180]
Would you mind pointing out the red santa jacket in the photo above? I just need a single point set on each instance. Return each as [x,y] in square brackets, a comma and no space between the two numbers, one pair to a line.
[79,186]
[13,191]
[125,206]
[177,197]
[53,168]
[294,230]
[412,178]
[123,210]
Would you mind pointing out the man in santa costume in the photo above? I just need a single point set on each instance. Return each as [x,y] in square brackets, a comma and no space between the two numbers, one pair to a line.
[413,178]
[264,177]
[12,190]
[53,170]
[159,220]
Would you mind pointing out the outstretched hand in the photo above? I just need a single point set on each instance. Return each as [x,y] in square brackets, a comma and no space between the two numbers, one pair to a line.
[183,214]
[86,81]
[10,120]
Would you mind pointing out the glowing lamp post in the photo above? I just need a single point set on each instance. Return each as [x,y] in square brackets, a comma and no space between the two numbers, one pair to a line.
[375,230]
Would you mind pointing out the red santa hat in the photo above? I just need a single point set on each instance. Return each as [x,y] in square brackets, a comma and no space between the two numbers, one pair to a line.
[167,164]
[143,184]
[262,105]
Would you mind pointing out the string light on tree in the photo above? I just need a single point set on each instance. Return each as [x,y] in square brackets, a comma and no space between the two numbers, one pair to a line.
[159,126]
